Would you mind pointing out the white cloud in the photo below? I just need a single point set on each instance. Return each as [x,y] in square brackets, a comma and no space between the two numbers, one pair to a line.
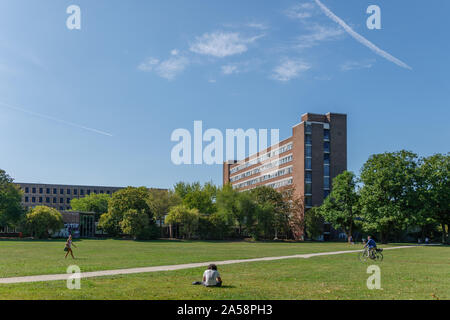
[301,11]
[318,34]
[171,67]
[290,69]
[221,44]
[229,69]
[168,68]
[148,64]
[255,25]
[355,65]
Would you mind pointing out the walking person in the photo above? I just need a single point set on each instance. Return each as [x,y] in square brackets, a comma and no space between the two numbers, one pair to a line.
[68,247]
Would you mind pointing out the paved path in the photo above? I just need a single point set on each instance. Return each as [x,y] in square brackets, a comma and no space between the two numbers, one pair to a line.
[65,276]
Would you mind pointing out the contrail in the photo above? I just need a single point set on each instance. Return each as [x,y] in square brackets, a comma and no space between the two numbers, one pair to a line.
[56,119]
[360,38]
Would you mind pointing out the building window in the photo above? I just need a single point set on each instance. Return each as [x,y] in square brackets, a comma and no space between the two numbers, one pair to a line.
[40,199]
[326,182]
[326,159]
[33,199]
[326,171]
[308,151]
[75,191]
[54,200]
[101,191]
[61,191]
[326,193]
[107,192]
[61,208]
[27,190]
[47,200]
[308,188]
[326,134]
[41,190]
[55,191]
[88,192]
[308,129]
[68,200]
[34,190]
[82,192]
[26,199]
[47,191]
[308,163]
[326,146]
[308,139]
[308,201]
[308,176]
[68,191]
[61,200]
[95,191]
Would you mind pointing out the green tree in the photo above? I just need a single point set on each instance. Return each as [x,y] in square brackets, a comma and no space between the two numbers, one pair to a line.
[11,210]
[110,223]
[313,223]
[121,202]
[185,217]
[434,191]
[42,220]
[228,207]
[387,195]
[135,223]
[197,196]
[160,202]
[340,208]
[269,197]
[97,203]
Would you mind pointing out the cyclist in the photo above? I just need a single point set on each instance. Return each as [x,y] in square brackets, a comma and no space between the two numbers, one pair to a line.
[371,244]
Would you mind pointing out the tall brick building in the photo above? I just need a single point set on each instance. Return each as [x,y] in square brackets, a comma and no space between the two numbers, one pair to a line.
[307,161]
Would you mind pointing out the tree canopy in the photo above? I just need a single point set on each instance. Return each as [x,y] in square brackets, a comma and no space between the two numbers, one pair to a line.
[11,210]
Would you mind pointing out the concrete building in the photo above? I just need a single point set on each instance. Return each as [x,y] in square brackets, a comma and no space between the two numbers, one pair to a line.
[306,162]
[56,195]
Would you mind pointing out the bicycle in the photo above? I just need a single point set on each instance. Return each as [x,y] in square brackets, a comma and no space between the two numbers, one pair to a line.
[375,255]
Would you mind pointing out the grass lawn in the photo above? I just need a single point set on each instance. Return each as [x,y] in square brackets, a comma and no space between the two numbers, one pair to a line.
[416,273]
[23,258]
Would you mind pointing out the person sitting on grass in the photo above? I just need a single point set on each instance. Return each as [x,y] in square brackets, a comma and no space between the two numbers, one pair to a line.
[211,277]
[68,247]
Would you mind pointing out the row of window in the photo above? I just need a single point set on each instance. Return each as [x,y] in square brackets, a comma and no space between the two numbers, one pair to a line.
[262,158]
[63,191]
[280,184]
[61,208]
[262,168]
[263,178]
[46,200]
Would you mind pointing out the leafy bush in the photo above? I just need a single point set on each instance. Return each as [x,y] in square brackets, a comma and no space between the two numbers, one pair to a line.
[42,220]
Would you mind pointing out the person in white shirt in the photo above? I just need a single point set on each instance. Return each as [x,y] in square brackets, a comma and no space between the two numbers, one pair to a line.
[211,277]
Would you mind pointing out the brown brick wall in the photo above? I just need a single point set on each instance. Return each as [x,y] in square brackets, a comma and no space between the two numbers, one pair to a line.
[298,138]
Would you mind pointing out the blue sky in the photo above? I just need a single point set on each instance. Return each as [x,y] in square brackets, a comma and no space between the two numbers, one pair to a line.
[138,70]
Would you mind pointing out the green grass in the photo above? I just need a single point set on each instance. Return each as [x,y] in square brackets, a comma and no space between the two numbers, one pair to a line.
[415,273]
[20,258]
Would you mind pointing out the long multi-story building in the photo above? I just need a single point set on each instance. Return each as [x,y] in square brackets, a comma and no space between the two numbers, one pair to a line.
[306,162]
[57,196]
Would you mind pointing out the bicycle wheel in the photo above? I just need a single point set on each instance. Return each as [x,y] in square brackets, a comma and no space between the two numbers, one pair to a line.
[363,256]
[379,256]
